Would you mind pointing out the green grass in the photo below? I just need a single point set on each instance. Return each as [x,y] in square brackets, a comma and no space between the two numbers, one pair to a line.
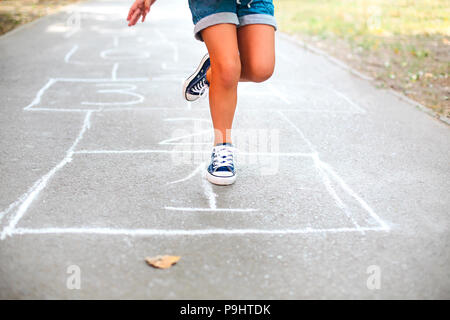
[404,44]
[353,18]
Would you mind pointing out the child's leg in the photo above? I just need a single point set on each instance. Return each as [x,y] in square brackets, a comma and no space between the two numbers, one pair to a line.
[257,51]
[221,41]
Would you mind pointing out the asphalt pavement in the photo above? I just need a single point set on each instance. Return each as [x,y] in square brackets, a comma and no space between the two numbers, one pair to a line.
[342,188]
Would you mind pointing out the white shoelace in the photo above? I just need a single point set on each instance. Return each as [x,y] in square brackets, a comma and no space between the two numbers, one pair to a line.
[200,87]
[223,157]
[248,4]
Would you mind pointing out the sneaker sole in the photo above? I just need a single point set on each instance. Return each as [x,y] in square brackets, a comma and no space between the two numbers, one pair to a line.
[221,181]
[188,80]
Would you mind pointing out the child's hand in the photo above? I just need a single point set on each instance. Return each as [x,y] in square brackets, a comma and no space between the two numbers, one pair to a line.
[138,9]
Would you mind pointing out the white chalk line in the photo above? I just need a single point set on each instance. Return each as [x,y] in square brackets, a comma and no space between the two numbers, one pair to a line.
[63,110]
[187,119]
[170,140]
[192,232]
[190,175]
[38,97]
[312,84]
[353,194]
[109,109]
[143,151]
[70,53]
[129,54]
[338,201]
[339,93]
[211,209]
[39,185]
[52,81]
[208,191]
[114,71]
[123,91]
[278,94]
[310,145]
[323,165]
[68,56]
[89,80]
[114,78]
[16,203]
[149,109]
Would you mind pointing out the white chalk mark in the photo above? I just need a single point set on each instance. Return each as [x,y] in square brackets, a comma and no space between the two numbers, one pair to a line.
[208,191]
[343,96]
[71,33]
[70,53]
[139,151]
[87,80]
[13,205]
[209,194]
[146,109]
[182,232]
[322,165]
[125,91]
[301,109]
[63,110]
[335,91]
[278,93]
[187,119]
[39,185]
[353,194]
[52,81]
[123,54]
[85,127]
[210,209]
[114,71]
[38,97]
[310,145]
[191,175]
[170,141]
[143,151]
[338,201]
[143,109]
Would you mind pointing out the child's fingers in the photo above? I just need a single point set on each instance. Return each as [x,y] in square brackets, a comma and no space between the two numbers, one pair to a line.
[132,10]
[147,5]
[135,17]
[129,14]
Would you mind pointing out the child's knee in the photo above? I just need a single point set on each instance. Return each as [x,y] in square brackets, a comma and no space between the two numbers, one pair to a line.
[227,71]
[259,72]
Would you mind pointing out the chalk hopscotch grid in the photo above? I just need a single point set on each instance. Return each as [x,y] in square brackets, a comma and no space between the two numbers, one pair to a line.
[325,171]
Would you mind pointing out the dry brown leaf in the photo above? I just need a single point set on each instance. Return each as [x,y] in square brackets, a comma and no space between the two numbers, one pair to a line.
[162,262]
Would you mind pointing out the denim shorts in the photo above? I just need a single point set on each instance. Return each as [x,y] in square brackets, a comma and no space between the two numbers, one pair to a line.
[206,13]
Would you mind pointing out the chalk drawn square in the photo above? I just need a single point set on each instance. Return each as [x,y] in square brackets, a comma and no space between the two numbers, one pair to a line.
[299,96]
[140,191]
[187,130]
[78,94]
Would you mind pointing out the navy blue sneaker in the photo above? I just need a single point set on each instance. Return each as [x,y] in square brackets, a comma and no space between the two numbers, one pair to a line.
[196,85]
[221,170]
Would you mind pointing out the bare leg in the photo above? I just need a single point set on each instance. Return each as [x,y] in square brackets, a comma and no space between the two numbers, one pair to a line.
[256,44]
[257,51]
[221,41]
